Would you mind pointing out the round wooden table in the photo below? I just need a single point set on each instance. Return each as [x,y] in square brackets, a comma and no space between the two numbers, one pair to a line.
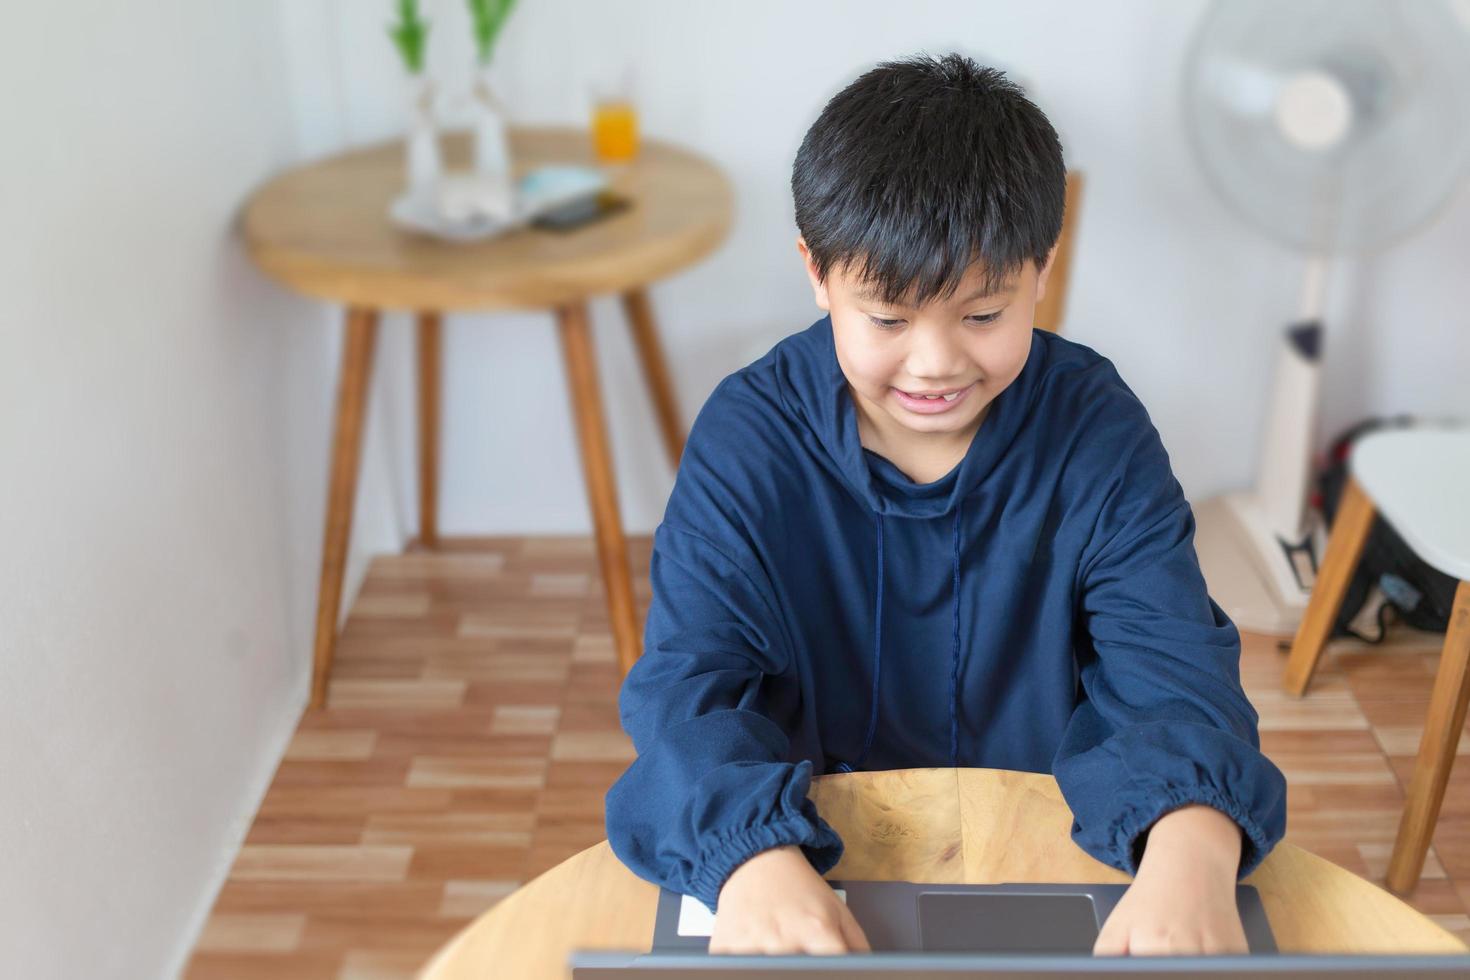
[323,230]
[979,826]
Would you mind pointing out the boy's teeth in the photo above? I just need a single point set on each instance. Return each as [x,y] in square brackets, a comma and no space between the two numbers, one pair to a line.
[949,397]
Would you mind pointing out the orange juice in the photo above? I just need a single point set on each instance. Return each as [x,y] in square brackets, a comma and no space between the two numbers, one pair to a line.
[615,131]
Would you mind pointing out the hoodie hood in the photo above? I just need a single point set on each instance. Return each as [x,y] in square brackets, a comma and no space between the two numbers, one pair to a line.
[815,391]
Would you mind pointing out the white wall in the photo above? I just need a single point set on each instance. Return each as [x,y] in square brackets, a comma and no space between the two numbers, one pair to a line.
[1186,299]
[163,424]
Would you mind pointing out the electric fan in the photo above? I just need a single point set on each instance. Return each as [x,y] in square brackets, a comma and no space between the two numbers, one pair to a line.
[1335,127]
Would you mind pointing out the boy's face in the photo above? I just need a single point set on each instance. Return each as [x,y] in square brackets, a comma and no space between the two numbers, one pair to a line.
[894,353]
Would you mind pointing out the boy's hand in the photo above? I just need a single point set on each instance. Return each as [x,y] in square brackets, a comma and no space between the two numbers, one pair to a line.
[777,903]
[1182,901]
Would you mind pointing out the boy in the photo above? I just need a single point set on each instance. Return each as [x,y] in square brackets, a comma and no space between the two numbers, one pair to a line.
[922,533]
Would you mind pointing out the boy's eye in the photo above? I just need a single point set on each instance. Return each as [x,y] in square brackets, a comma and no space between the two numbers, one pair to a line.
[885,324]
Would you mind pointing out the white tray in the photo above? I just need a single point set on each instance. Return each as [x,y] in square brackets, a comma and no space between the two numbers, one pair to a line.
[537,192]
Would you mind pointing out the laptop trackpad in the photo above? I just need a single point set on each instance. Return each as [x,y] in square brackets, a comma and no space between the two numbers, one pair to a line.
[1006,923]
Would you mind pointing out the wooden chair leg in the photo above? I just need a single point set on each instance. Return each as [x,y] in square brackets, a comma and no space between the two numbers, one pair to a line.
[1442,730]
[655,369]
[612,549]
[1344,548]
[352,389]
[430,360]
[1052,307]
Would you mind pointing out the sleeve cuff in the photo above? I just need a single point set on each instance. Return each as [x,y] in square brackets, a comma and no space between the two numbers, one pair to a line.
[1130,835]
[800,825]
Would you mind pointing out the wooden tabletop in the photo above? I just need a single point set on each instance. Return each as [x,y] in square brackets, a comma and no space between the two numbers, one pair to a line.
[323,230]
[926,825]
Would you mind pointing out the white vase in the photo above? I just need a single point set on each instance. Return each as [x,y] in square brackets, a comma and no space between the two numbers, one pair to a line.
[492,147]
[423,163]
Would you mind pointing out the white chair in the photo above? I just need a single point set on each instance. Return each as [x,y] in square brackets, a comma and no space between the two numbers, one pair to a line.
[1419,481]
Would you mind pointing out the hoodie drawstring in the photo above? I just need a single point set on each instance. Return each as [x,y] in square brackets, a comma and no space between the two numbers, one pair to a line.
[954,655]
[877,654]
[954,652]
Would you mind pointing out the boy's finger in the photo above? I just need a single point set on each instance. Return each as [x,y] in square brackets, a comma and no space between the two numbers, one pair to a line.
[733,945]
[852,932]
[1216,944]
[1112,941]
[1152,944]
[827,942]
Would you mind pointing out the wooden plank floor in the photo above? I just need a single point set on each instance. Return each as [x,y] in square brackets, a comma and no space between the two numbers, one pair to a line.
[472,730]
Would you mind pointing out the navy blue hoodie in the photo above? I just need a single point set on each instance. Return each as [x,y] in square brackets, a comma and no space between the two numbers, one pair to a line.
[1039,608]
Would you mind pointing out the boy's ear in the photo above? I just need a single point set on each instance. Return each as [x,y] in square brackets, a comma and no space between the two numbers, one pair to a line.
[819,288]
[1045,273]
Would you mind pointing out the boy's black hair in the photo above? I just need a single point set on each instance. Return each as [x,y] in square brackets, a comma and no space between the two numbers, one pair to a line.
[923,166]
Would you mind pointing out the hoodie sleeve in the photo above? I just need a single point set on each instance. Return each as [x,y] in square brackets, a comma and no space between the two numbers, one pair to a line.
[711,785]
[1162,720]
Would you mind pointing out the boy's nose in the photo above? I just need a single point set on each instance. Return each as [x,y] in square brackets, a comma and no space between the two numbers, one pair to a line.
[936,361]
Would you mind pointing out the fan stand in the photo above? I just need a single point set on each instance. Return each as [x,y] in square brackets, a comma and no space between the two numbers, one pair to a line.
[1325,114]
[1258,548]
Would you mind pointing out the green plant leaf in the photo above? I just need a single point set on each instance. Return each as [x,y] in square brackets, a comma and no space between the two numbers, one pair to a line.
[410,35]
[487,18]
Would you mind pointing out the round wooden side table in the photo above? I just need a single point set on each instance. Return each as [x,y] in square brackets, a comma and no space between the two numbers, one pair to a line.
[977,826]
[323,230]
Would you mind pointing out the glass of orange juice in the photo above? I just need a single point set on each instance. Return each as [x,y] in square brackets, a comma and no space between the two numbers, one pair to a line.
[614,118]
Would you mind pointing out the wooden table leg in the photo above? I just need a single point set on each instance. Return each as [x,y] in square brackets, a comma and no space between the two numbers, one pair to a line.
[430,359]
[352,388]
[655,369]
[1442,730]
[612,550]
[1344,547]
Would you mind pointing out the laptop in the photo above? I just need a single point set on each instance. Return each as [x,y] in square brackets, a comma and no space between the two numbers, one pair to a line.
[953,966]
[1021,930]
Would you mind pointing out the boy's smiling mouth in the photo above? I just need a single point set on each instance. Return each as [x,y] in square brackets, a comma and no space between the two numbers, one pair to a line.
[933,401]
